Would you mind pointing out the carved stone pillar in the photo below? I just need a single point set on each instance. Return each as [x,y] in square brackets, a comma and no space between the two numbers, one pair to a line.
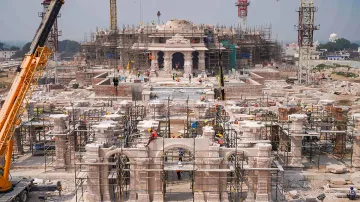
[18,147]
[296,141]
[199,181]
[30,109]
[201,64]
[156,109]
[154,64]
[94,190]
[60,133]
[263,190]
[167,62]
[188,69]
[213,191]
[356,148]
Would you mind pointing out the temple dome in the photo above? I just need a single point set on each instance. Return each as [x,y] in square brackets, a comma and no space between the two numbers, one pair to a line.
[178,24]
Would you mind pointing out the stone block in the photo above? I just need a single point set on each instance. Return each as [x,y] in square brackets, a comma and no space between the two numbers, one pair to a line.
[337,169]
[199,196]
[294,194]
[213,197]
[338,181]
[311,199]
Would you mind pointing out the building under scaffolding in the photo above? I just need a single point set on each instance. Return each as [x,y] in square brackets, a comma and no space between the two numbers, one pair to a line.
[241,48]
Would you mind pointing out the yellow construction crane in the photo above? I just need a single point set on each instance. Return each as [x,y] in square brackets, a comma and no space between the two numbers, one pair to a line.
[20,92]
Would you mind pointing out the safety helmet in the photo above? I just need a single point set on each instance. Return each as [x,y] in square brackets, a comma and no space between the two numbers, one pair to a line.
[251,118]
[149,130]
[309,110]
[351,188]
[219,135]
[216,105]
[179,135]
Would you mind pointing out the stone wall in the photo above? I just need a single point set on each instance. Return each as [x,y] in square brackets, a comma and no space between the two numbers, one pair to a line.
[85,78]
[250,88]
[267,74]
[124,90]
[65,80]
[100,77]
[287,74]
[257,78]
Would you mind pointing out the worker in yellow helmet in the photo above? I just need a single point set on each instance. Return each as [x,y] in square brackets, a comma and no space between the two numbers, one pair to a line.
[153,136]
[219,140]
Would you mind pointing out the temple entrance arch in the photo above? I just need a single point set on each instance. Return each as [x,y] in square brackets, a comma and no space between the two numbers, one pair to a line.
[119,177]
[181,158]
[178,61]
[195,60]
[160,59]
[237,160]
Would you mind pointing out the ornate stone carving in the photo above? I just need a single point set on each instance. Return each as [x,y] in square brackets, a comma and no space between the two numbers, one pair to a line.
[177,39]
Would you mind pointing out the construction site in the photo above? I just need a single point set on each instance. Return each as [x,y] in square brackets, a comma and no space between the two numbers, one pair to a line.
[179,111]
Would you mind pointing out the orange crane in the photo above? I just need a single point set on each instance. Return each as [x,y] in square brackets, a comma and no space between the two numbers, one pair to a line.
[20,92]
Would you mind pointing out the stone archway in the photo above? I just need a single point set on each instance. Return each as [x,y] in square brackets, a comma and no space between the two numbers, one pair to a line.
[178,61]
[173,154]
[119,177]
[128,165]
[195,60]
[160,59]
[235,159]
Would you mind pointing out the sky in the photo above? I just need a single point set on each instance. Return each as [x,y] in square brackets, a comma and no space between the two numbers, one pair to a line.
[19,18]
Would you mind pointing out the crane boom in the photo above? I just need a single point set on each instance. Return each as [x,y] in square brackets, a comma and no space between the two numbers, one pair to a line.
[24,83]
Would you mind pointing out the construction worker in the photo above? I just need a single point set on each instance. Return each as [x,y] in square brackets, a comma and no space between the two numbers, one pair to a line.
[352,194]
[219,139]
[153,136]
[217,107]
[206,121]
[18,69]
[189,78]
[308,113]
[181,154]
[173,76]
[236,122]
[138,74]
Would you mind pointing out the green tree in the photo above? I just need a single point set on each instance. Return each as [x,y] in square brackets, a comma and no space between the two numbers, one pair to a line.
[338,45]
[21,53]
[14,48]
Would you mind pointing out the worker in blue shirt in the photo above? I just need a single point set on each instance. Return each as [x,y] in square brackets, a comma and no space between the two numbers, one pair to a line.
[352,194]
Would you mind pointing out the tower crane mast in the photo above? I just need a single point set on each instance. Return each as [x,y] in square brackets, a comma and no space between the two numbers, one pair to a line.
[113,15]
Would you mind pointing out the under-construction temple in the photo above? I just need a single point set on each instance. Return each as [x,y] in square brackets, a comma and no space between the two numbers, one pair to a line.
[180,43]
